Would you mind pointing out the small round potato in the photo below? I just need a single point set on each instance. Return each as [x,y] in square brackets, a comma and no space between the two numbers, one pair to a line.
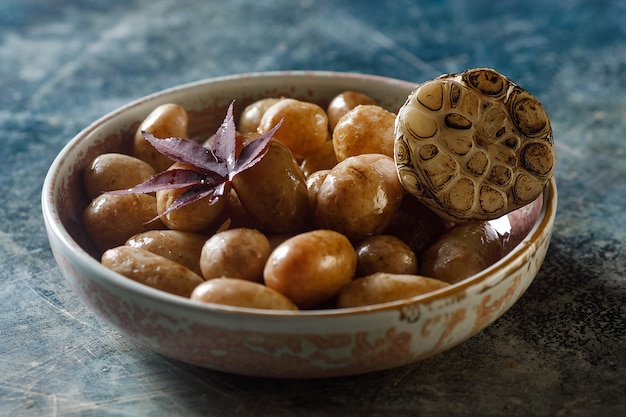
[252,114]
[462,251]
[194,217]
[111,219]
[344,102]
[382,288]
[384,253]
[416,225]
[359,196]
[115,171]
[313,184]
[365,129]
[324,158]
[304,128]
[241,293]
[151,269]
[182,247]
[310,268]
[167,120]
[235,253]
[274,191]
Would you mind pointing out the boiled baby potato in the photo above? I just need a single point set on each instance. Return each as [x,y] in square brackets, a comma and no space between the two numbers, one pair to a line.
[343,102]
[359,196]
[462,251]
[384,253]
[304,127]
[274,192]
[416,225]
[176,245]
[322,159]
[111,219]
[167,120]
[115,171]
[383,287]
[235,253]
[252,114]
[193,217]
[311,267]
[364,129]
[151,269]
[241,293]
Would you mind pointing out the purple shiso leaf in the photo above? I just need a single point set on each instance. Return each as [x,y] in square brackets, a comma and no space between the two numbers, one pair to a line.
[254,151]
[219,191]
[187,152]
[174,178]
[224,143]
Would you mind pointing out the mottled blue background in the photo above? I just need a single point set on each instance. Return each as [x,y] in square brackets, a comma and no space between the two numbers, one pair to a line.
[558,352]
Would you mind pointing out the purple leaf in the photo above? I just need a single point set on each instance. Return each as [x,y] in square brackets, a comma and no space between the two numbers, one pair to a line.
[187,152]
[190,196]
[174,178]
[224,143]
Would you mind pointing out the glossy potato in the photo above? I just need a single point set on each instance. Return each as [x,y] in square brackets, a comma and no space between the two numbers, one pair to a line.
[384,253]
[324,158]
[310,268]
[115,171]
[251,116]
[359,196]
[241,293]
[304,126]
[344,102]
[111,219]
[167,120]
[416,225]
[274,191]
[235,253]
[462,251]
[193,217]
[178,246]
[364,129]
[383,287]
[151,269]
[313,184]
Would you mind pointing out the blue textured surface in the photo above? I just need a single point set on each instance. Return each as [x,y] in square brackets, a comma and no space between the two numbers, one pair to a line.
[558,352]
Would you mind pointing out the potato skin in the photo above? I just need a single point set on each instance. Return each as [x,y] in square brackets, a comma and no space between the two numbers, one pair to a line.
[274,191]
[304,128]
[235,253]
[252,114]
[151,269]
[343,102]
[416,225]
[310,268]
[193,217]
[167,120]
[178,246]
[241,293]
[364,129]
[322,159]
[111,219]
[359,196]
[384,253]
[462,251]
[115,171]
[383,287]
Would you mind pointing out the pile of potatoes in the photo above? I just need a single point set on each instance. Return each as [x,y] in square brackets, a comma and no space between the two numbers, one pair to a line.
[321,221]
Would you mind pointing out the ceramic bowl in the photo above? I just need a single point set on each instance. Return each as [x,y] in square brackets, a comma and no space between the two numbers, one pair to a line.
[302,344]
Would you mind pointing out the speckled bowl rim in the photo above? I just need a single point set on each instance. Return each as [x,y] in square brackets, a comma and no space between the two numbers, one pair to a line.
[487,277]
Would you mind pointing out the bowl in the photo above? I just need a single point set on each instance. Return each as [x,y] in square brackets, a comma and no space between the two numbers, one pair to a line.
[300,344]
